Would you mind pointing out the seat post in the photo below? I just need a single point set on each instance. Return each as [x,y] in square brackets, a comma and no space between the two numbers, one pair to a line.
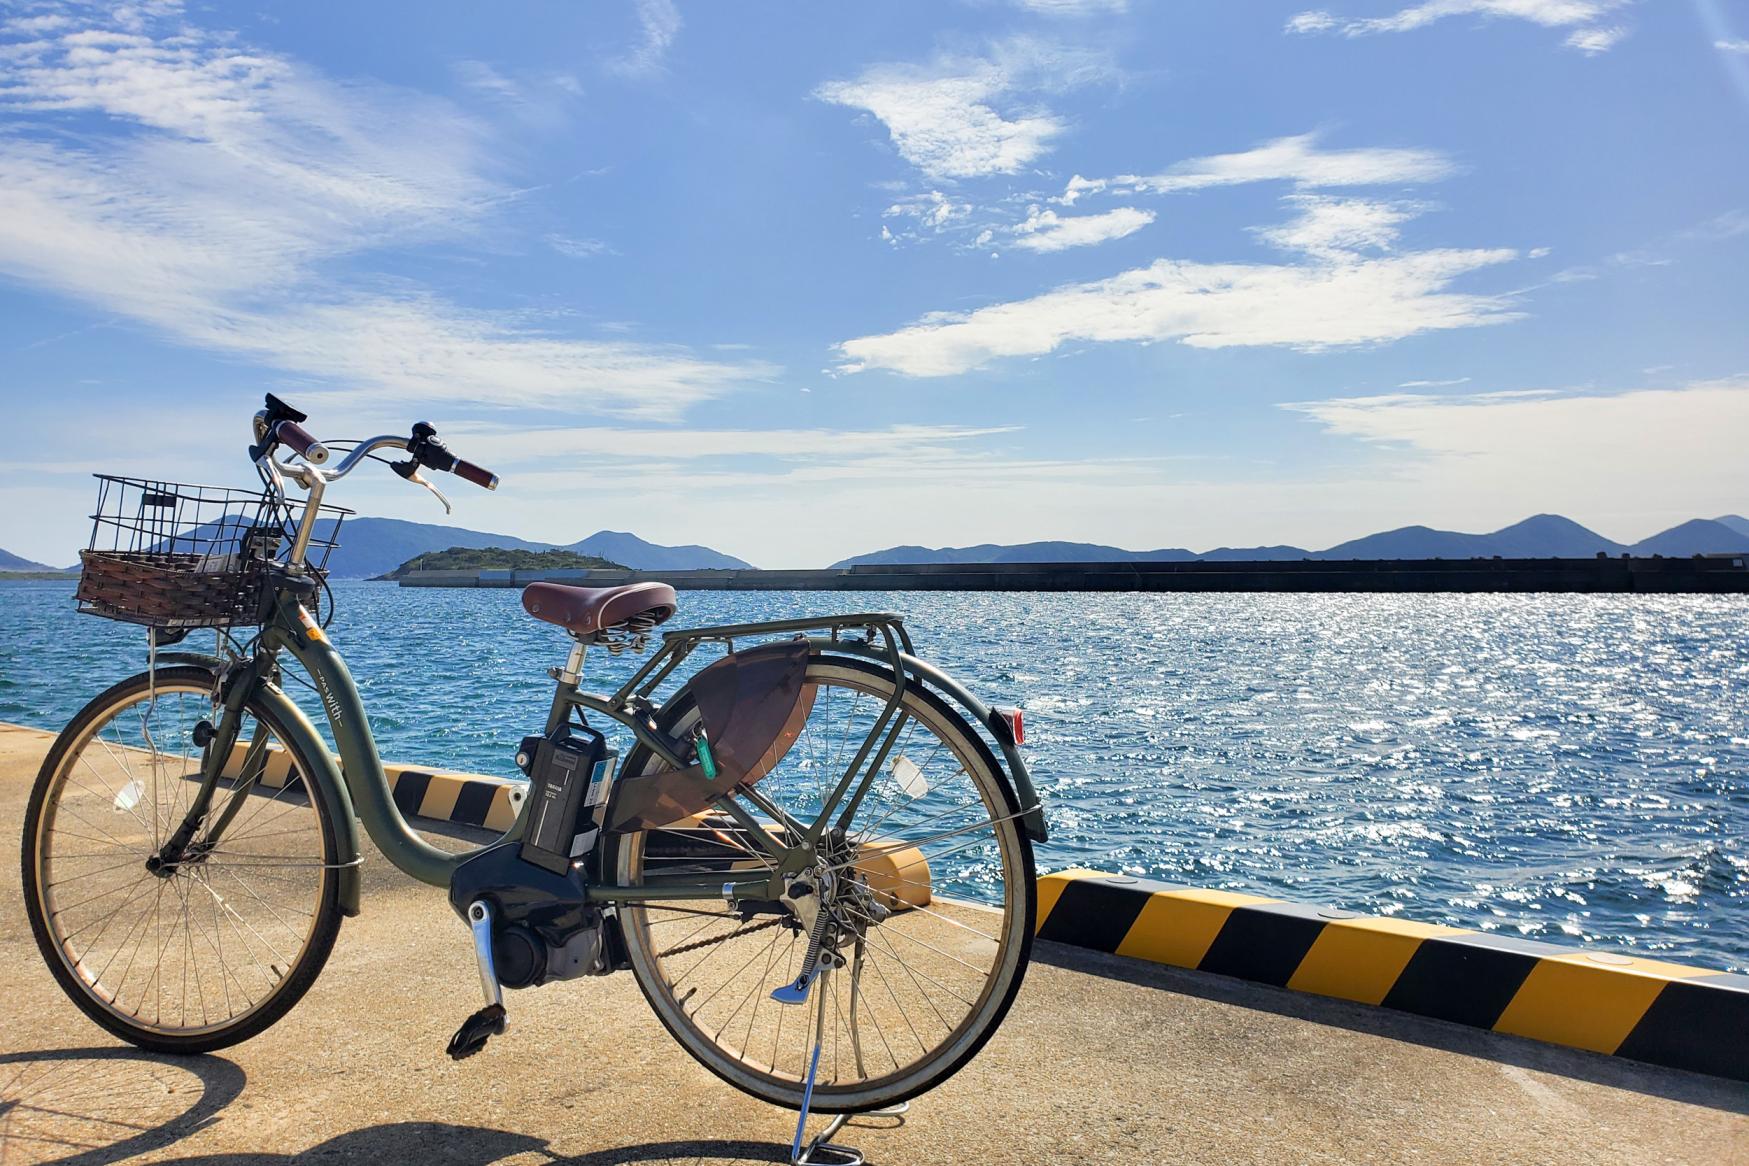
[568,676]
[572,672]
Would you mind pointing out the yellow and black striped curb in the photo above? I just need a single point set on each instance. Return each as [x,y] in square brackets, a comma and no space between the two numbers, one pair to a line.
[466,798]
[1645,1010]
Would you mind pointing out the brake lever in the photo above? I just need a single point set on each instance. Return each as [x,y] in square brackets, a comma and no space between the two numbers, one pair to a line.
[409,470]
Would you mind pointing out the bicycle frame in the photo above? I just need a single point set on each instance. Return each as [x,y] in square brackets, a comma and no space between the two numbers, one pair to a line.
[360,785]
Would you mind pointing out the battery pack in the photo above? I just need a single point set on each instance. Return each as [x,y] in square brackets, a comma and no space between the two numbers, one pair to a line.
[567,784]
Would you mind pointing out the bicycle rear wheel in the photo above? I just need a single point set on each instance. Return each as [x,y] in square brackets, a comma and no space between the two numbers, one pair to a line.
[935,885]
[193,955]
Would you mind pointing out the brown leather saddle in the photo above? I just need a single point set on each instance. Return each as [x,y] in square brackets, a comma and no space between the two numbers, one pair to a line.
[584,611]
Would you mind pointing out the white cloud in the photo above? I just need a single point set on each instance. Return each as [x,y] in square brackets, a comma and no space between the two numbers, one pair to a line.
[1045,230]
[1600,39]
[659,23]
[1296,159]
[958,117]
[1075,7]
[578,248]
[1339,228]
[231,185]
[1339,293]
[1434,384]
[1732,46]
[1589,37]
[932,210]
[1487,454]
[1308,306]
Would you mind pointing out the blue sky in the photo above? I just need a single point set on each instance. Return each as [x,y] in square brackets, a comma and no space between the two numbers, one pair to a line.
[800,281]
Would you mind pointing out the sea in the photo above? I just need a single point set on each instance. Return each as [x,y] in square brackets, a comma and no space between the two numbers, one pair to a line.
[1567,768]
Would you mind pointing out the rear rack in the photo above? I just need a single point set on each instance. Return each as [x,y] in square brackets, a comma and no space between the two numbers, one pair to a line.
[677,645]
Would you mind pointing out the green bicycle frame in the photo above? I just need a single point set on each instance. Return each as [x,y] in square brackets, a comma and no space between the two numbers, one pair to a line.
[359,784]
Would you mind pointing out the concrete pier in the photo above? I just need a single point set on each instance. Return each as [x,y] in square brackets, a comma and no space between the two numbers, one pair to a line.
[1719,574]
[1104,1059]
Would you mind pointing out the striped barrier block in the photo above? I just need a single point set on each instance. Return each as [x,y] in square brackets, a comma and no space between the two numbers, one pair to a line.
[468,798]
[1642,1009]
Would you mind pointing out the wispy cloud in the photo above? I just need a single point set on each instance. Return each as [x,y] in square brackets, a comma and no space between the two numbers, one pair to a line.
[963,117]
[1565,449]
[223,190]
[1589,36]
[1046,230]
[578,248]
[1297,159]
[658,23]
[1074,7]
[1336,296]
[1339,228]
[1732,46]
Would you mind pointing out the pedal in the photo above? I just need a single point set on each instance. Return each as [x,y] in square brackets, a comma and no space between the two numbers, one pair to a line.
[475,1031]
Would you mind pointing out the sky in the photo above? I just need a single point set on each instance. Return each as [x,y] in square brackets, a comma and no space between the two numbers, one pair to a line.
[800,281]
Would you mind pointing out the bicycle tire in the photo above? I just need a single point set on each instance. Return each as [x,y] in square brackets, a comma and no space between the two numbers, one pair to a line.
[82,988]
[952,1054]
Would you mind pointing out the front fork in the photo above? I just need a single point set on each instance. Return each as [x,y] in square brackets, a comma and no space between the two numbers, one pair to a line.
[217,743]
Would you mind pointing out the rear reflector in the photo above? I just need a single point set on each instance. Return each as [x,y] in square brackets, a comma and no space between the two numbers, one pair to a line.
[1016,724]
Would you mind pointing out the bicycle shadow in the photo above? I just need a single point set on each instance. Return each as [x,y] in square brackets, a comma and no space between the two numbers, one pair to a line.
[95,1106]
[441,1144]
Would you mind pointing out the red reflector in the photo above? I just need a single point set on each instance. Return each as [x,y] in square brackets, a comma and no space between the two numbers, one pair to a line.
[1016,724]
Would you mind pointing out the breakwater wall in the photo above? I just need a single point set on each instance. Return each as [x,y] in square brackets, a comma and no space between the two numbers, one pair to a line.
[1717,574]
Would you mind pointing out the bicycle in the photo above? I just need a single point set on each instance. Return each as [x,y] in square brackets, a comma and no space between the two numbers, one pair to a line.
[777,842]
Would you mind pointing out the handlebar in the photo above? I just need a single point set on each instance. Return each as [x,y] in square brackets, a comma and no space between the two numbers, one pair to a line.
[299,440]
[281,425]
[478,475]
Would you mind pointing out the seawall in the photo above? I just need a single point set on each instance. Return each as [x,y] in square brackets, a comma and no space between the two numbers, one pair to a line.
[1708,575]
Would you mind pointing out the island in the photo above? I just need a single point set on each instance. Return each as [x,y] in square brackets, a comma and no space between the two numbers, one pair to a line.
[498,559]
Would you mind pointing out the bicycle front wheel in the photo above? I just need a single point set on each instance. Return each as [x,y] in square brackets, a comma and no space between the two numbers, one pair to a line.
[935,894]
[198,953]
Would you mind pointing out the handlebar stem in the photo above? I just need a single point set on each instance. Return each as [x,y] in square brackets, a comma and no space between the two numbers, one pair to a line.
[315,482]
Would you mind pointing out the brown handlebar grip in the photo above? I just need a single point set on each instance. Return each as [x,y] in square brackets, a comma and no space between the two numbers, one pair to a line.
[478,475]
[297,439]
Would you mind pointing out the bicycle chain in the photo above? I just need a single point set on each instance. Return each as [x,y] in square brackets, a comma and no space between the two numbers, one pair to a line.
[686,947]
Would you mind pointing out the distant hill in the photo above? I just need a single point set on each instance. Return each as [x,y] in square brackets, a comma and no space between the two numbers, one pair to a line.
[1540,537]
[1254,554]
[498,559]
[1698,536]
[12,562]
[640,555]
[1544,536]
[1041,552]
[1735,521]
[375,546]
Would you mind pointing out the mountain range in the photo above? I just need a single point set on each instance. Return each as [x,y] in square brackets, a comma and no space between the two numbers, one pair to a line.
[1543,536]
[376,546]
[12,562]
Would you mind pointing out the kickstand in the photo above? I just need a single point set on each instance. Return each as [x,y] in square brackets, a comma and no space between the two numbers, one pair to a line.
[802,1153]
[838,1155]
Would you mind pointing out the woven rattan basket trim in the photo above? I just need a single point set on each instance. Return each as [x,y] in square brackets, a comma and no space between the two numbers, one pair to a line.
[164,589]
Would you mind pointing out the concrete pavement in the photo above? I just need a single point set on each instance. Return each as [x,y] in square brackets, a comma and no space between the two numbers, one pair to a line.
[1102,1060]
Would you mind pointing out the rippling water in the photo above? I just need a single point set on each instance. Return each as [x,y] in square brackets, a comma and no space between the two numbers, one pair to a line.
[1567,767]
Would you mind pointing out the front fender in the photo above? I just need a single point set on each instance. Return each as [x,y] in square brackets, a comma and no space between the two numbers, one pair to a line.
[1033,815]
[301,735]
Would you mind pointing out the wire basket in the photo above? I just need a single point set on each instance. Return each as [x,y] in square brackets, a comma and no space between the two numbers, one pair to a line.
[168,555]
